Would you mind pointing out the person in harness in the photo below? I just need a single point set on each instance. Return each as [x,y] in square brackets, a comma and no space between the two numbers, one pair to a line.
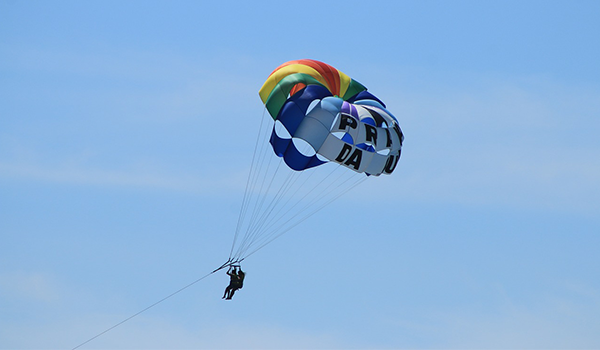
[236,281]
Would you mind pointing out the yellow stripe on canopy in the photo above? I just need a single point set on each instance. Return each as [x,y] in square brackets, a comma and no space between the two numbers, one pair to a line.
[281,73]
[344,83]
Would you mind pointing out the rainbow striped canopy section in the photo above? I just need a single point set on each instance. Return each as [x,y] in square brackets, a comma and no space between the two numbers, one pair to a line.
[292,76]
[322,115]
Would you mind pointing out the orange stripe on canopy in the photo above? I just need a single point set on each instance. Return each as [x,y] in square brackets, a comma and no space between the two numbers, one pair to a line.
[327,72]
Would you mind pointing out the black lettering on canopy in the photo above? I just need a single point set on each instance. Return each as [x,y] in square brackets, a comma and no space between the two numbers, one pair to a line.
[371,134]
[353,159]
[346,120]
[391,163]
[379,120]
[345,151]
[389,138]
[399,132]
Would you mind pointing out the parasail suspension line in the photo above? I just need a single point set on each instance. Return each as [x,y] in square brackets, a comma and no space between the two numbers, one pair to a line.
[228,263]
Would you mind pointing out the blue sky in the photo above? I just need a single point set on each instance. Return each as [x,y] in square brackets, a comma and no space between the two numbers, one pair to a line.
[126,131]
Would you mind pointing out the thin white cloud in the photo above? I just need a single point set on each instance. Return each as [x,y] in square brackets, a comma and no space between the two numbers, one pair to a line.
[551,322]
[156,333]
[132,178]
[527,144]
[122,84]
[28,286]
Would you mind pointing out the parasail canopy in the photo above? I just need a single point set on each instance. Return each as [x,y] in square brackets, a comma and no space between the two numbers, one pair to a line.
[327,132]
[322,115]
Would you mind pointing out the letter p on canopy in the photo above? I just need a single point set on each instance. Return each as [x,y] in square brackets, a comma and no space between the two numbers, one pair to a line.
[346,120]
